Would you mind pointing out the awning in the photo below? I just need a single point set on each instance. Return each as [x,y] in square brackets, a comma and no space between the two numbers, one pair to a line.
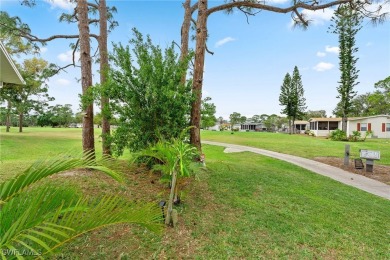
[8,71]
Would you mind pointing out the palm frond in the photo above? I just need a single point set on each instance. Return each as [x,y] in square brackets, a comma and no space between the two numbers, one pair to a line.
[44,219]
[43,168]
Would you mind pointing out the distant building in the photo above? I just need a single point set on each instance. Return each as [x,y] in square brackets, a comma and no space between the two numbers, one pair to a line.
[300,126]
[379,125]
[250,126]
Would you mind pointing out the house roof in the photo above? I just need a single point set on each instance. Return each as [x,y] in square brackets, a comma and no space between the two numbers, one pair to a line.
[325,119]
[366,117]
[300,122]
[8,71]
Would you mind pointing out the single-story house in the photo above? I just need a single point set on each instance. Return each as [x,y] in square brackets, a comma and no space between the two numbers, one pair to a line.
[8,71]
[300,126]
[379,125]
[250,126]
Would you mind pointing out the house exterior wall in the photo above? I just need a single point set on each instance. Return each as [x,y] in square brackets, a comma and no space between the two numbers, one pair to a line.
[376,126]
[322,133]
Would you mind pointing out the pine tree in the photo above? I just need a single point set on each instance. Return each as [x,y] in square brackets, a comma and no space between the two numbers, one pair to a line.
[299,101]
[347,23]
[291,97]
[285,98]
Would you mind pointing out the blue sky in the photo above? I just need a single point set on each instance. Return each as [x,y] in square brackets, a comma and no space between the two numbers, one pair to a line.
[250,61]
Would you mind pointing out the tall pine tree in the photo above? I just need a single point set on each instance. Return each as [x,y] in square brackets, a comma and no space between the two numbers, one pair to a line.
[299,101]
[291,97]
[346,23]
[285,98]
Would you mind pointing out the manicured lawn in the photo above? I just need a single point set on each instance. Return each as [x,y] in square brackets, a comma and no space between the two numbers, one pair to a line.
[262,207]
[300,145]
[242,206]
[19,150]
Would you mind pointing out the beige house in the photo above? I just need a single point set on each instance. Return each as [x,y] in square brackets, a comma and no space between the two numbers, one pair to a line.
[379,125]
[8,71]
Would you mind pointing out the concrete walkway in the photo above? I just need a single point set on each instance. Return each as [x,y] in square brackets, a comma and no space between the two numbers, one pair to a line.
[351,179]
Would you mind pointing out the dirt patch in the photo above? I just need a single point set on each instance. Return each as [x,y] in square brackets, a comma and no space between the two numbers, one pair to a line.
[381,172]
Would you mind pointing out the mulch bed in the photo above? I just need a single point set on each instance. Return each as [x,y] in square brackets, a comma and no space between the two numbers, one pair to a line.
[381,172]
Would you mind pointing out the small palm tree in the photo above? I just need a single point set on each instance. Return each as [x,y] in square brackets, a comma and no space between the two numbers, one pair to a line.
[174,159]
[38,220]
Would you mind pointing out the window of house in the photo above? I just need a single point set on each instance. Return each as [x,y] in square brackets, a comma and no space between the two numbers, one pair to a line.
[333,125]
[322,125]
[363,127]
[388,127]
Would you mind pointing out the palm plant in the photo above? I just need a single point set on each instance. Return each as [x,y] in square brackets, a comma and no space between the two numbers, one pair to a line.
[173,159]
[38,220]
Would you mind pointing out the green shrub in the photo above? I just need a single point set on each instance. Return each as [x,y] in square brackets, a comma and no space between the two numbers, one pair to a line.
[355,137]
[338,135]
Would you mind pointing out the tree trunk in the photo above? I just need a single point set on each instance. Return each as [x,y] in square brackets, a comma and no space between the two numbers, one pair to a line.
[344,124]
[8,116]
[201,35]
[20,122]
[86,76]
[185,33]
[168,219]
[293,126]
[105,106]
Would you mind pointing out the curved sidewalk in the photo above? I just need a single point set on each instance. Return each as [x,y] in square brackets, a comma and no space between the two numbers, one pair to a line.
[355,180]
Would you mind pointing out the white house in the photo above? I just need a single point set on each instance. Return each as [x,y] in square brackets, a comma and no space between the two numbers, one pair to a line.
[8,71]
[300,126]
[379,125]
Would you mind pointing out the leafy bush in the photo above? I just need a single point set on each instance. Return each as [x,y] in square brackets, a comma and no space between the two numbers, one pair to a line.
[147,94]
[355,137]
[338,135]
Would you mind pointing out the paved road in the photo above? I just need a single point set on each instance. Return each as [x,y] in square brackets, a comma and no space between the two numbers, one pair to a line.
[351,179]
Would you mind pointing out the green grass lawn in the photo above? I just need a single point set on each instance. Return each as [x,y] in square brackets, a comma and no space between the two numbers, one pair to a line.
[243,206]
[300,145]
[19,150]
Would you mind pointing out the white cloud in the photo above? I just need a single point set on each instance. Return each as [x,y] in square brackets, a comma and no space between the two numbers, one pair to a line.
[321,54]
[224,41]
[63,82]
[68,56]
[323,66]
[318,17]
[62,4]
[331,49]
[43,50]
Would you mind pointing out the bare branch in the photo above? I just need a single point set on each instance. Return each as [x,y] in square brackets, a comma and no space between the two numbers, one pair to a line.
[74,51]
[177,45]
[93,21]
[274,8]
[194,7]
[193,21]
[305,22]
[207,49]
[58,69]
[93,5]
